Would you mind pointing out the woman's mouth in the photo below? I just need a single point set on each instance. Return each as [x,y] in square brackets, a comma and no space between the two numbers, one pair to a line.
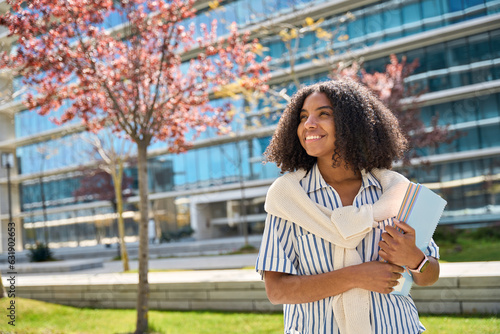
[313,138]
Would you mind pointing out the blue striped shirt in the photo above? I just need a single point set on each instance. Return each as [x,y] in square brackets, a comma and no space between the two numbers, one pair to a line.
[288,248]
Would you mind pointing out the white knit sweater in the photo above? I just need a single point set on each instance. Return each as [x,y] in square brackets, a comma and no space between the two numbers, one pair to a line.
[345,227]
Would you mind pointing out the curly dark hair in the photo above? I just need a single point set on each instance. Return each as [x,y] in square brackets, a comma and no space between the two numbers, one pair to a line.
[367,134]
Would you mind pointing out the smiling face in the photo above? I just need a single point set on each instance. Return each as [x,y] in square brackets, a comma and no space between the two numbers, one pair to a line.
[316,129]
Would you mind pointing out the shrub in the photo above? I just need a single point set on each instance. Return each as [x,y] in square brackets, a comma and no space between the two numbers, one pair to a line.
[40,253]
[447,233]
[184,232]
[486,233]
[451,234]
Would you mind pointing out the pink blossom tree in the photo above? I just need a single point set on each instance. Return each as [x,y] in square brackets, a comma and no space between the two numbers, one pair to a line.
[130,78]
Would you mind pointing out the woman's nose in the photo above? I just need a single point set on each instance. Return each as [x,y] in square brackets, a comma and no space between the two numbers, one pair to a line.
[310,122]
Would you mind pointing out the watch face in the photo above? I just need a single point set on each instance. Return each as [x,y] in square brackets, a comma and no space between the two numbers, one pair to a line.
[425,265]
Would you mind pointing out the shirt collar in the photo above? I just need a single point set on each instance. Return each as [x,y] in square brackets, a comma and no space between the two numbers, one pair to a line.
[313,181]
[369,180]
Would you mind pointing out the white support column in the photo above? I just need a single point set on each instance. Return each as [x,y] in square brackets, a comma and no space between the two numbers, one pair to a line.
[200,209]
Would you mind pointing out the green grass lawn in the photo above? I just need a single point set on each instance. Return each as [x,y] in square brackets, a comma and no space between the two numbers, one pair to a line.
[45,318]
[466,245]
[40,317]
[470,250]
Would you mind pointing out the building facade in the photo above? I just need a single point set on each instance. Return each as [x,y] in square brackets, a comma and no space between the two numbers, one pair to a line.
[218,187]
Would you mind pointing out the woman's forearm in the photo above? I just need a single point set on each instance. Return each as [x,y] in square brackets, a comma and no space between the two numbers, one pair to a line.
[375,276]
[284,288]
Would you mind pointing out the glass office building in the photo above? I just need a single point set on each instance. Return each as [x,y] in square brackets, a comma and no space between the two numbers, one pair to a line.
[221,182]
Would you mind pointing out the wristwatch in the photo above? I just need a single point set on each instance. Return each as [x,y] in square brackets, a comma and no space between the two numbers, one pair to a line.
[422,266]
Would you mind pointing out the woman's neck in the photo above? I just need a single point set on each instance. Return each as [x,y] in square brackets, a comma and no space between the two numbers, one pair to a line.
[338,174]
[345,181]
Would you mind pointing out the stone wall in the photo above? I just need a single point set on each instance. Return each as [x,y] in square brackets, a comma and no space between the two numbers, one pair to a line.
[455,295]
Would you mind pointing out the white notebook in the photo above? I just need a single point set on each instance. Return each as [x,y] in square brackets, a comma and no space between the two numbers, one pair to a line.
[421,209]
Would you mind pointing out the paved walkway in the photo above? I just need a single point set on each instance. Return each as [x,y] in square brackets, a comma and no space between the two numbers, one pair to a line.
[184,263]
[185,247]
[208,269]
[98,268]
[183,269]
[105,265]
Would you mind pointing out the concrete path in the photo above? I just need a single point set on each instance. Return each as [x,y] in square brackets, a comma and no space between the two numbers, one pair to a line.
[100,269]
[184,263]
[104,265]
[186,247]
[209,269]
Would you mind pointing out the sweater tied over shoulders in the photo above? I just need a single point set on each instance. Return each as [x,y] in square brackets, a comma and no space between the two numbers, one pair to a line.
[345,227]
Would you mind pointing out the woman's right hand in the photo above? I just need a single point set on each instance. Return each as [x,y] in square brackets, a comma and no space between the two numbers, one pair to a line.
[378,276]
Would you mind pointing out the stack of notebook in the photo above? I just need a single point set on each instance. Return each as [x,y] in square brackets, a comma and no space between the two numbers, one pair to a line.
[421,209]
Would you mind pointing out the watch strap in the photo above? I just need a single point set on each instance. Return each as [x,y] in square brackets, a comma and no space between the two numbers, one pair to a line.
[422,266]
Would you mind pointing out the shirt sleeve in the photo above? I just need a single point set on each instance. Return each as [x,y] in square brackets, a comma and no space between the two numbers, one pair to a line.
[276,250]
[432,249]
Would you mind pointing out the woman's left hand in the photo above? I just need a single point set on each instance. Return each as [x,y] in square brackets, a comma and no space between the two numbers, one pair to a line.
[398,246]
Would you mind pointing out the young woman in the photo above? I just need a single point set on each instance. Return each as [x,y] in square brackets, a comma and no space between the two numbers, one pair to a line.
[338,141]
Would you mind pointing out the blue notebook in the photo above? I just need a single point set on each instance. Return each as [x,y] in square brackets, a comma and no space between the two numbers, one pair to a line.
[421,209]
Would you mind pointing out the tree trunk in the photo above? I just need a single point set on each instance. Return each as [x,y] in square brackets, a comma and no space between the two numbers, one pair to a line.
[117,180]
[143,288]
[2,289]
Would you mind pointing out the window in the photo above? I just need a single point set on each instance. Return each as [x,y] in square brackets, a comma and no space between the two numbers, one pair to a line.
[179,170]
[418,54]
[496,72]
[230,13]
[479,47]
[256,9]
[426,174]
[481,75]
[215,163]
[455,80]
[426,114]
[471,3]
[457,53]
[431,8]
[356,28]
[306,42]
[439,82]
[391,18]
[435,58]
[190,167]
[203,164]
[377,65]
[489,135]
[495,43]
[450,171]
[230,158]
[465,110]
[459,79]
[277,51]
[474,196]
[454,5]
[411,13]
[373,23]
[284,5]
[448,148]
[469,140]
[488,105]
